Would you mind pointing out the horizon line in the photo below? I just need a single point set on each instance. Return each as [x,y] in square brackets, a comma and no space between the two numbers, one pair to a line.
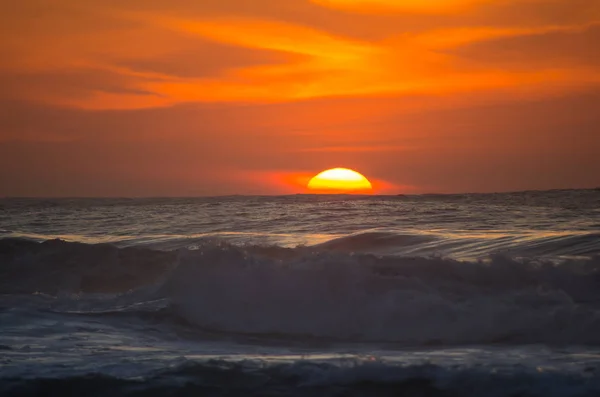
[298,194]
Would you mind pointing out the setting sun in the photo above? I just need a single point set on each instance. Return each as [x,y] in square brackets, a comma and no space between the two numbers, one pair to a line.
[339,180]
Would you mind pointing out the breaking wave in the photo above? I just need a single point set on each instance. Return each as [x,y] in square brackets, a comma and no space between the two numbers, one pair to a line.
[412,301]
[316,293]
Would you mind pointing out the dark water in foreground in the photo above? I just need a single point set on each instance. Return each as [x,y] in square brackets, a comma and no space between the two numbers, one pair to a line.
[460,295]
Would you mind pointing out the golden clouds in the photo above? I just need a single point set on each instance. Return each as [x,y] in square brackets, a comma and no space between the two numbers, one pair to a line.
[135,57]
[274,35]
[532,11]
[385,6]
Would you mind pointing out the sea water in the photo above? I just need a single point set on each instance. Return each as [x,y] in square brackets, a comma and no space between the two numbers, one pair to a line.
[430,295]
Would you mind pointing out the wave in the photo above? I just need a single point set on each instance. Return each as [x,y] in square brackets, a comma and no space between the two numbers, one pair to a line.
[375,241]
[57,266]
[366,377]
[303,292]
[468,246]
[381,241]
[414,301]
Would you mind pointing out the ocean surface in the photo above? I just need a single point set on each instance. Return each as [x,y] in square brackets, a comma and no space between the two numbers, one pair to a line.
[425,295]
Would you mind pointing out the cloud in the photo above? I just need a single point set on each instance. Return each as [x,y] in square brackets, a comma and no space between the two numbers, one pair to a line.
[206,60]
[386,6]
[575,47]
[531,11]
[114,55]
[475,144]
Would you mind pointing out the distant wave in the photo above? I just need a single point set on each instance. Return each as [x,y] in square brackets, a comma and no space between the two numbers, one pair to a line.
[469,246]
[373,241]
[299,293]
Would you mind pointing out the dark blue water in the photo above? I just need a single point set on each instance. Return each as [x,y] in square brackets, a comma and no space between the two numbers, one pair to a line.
[449,295]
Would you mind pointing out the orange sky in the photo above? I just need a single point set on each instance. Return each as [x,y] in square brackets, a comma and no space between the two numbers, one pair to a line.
[209,97]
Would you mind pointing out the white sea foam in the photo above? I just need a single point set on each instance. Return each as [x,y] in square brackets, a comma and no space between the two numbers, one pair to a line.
[412,301]
[307,292]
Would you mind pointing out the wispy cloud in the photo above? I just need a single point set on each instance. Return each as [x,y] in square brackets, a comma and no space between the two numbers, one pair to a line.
[155,58]
[386,6]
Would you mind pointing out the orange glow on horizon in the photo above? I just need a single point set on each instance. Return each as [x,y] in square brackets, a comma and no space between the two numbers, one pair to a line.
[296,182]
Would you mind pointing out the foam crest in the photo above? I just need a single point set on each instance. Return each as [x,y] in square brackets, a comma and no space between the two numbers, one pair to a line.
[308,292]
[412,301]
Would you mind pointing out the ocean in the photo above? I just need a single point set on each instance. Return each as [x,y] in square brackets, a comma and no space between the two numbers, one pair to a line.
[303,295]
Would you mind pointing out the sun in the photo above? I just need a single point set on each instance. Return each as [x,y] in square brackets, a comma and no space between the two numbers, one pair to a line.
[339,180]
